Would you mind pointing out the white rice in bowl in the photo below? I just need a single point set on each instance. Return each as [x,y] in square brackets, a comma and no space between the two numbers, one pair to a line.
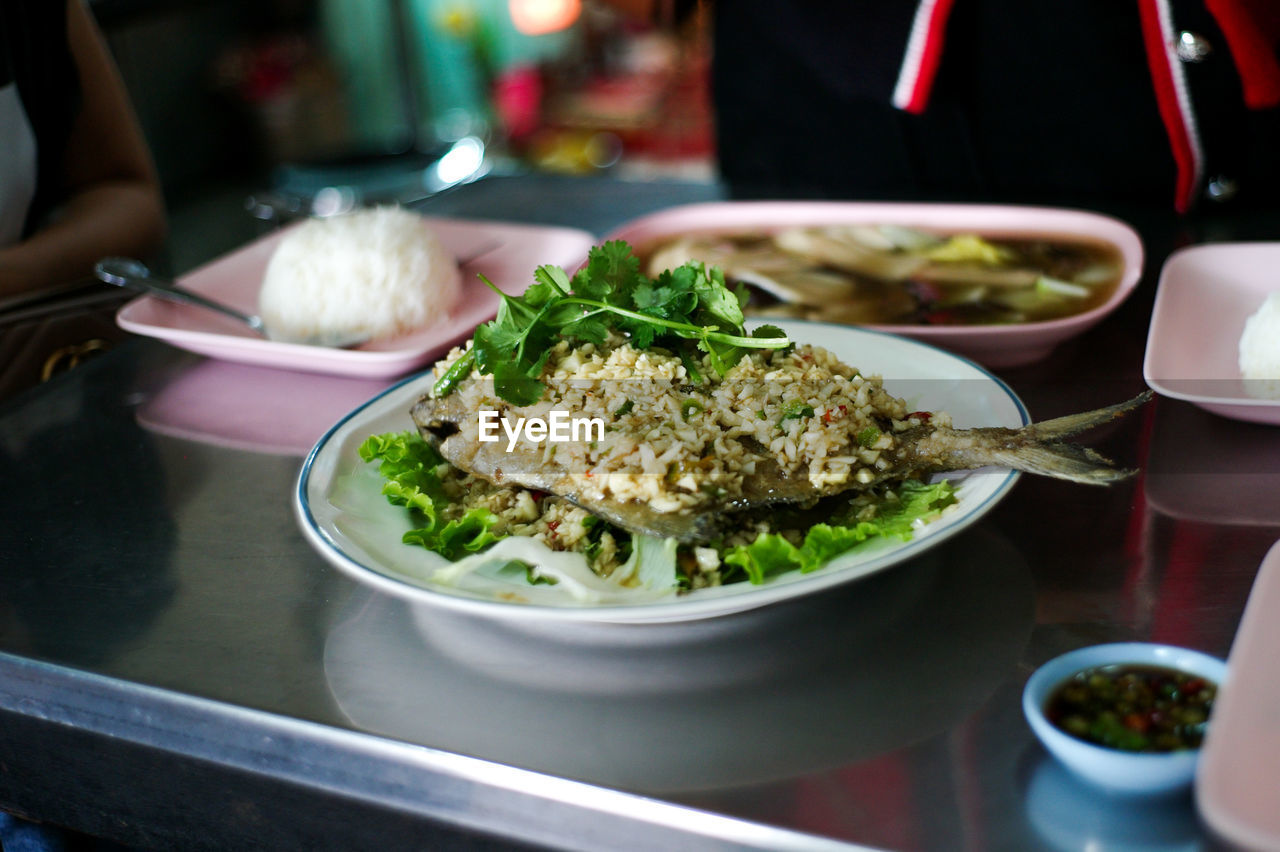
[377,272]
[1260,350]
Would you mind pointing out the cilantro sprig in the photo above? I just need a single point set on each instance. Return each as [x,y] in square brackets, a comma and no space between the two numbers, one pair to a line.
[687,308]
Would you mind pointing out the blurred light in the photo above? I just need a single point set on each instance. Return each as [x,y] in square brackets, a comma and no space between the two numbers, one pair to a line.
[539,17]
[603,150]
[457,21]
[333,201]
[462,162]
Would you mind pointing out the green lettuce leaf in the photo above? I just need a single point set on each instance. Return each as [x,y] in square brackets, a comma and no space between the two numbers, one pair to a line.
[414,470]
[771,555]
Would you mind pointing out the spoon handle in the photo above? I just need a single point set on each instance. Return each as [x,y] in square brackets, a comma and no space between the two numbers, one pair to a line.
[124,272]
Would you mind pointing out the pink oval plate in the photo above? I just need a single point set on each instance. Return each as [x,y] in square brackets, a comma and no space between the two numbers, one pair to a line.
[992,345]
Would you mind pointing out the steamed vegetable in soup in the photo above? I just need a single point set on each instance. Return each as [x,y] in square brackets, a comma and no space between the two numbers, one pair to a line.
[891,275]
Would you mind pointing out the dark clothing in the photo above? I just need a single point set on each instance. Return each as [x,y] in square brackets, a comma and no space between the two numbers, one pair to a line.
[35,56]
[1036,102]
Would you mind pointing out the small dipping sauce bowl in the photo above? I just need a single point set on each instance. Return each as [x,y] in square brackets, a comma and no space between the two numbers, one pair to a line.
[1114,768]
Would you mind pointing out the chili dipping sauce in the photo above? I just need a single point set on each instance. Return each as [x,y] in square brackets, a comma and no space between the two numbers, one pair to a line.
[1137,708]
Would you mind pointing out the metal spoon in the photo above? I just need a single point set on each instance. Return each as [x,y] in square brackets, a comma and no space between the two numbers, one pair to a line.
[126,272]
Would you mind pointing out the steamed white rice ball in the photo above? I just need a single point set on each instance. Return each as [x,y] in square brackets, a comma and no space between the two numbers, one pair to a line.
[1260,349]
[376,272]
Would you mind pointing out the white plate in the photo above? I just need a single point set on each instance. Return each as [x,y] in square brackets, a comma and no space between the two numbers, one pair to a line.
[343,514]
[1193,347]
[505,253]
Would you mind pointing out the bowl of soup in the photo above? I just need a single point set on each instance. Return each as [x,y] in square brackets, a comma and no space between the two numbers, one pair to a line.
[1003,285]
[1129,717]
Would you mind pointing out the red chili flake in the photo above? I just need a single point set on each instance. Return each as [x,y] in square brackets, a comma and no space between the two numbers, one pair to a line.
[551,525]
[830,413]
[537,495]
[1137,722]
[922,415]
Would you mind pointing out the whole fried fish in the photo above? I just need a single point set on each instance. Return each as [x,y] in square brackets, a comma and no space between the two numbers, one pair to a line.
[1036,448]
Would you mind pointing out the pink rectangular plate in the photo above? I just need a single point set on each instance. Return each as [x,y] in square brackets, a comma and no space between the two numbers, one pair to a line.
[1238,781]
[507,254]
[1193,346]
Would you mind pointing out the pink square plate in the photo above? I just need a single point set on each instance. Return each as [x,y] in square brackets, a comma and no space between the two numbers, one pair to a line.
[1204,297]
[993,345]
[507,254]
[1238,781]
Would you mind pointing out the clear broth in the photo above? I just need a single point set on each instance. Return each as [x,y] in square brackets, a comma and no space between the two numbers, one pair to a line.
[1081,275]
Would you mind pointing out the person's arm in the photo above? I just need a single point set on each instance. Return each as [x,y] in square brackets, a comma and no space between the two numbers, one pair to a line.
[114,204]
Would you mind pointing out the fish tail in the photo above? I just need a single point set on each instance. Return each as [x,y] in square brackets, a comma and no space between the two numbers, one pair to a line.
[1034,448]
[1073,424]
[1062,461]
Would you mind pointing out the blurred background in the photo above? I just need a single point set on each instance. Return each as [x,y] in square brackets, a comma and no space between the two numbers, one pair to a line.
[258,111]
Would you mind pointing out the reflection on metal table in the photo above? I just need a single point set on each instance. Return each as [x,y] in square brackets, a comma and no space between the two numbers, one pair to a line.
[179,669]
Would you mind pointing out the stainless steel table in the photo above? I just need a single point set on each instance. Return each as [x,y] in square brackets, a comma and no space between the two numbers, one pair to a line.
[178,669]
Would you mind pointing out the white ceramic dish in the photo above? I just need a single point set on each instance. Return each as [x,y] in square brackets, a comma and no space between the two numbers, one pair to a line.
[1112,769]
[1238,788]
[1204,297]
[342,512]
[992,345]
[505,253]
